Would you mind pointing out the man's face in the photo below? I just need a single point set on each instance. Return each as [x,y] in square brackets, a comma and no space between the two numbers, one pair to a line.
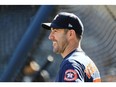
[59,39]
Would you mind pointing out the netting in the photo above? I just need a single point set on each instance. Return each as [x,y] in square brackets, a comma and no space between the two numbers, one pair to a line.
[98,41]
[99,37]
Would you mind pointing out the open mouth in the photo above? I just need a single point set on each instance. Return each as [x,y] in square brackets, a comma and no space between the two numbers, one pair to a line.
[54,43]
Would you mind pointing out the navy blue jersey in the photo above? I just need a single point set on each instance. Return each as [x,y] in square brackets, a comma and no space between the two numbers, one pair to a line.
[78,67]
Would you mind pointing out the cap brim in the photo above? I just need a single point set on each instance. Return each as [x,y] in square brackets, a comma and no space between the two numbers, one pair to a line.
[46,26]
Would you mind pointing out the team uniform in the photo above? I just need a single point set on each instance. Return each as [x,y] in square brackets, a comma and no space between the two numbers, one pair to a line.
[78,67]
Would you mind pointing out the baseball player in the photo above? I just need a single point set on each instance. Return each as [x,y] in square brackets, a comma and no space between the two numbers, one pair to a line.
[66,34]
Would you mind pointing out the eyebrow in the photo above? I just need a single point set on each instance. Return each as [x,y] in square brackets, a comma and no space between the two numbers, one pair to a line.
[52,28]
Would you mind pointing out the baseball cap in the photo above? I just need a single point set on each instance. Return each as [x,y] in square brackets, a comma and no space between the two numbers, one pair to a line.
[65,20]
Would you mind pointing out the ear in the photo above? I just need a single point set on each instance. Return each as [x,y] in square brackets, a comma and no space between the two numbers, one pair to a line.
[71,33]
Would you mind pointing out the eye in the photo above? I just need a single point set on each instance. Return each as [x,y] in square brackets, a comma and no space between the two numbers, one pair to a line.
[55,30]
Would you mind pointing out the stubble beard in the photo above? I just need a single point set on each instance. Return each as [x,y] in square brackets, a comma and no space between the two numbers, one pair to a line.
[59,48]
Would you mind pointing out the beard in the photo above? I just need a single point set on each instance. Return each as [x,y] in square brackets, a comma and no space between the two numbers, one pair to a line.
[60,46]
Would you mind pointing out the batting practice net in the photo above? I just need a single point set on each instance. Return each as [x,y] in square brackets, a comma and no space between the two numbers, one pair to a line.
[36,62]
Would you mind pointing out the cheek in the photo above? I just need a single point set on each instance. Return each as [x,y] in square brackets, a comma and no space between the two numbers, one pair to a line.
[61,39]
[64,41]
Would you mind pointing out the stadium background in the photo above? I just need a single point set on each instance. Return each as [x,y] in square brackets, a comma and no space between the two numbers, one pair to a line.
[41,64]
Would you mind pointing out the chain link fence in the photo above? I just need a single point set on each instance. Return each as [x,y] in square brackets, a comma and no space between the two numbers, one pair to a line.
[99,37]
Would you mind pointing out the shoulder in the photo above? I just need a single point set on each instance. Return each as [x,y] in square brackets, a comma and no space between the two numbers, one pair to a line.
[72,64]
[72,70]
[76,59]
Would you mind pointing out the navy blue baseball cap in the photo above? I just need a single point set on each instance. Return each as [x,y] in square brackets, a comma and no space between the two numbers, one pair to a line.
[65,20]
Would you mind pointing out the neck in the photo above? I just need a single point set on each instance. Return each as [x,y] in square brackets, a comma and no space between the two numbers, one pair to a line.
[70,48]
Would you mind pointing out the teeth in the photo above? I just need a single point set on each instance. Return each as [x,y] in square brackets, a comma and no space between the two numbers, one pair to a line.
[54,42]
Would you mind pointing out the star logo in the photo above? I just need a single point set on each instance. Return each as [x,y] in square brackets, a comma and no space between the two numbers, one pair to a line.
[70,75]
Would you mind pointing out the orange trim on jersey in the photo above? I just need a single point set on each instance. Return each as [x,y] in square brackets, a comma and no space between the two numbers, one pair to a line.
[97,80]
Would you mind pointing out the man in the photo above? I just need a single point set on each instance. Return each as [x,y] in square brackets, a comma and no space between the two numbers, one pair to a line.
[66,34]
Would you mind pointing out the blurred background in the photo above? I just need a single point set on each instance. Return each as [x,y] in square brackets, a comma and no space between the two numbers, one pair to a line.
[26,53]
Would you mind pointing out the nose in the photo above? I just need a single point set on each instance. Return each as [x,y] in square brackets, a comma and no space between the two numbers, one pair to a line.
[51,36]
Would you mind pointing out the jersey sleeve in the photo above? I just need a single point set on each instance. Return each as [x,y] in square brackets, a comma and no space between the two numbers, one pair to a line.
[72,72]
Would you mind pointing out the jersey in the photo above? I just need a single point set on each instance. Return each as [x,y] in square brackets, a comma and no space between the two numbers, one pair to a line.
[78,67]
